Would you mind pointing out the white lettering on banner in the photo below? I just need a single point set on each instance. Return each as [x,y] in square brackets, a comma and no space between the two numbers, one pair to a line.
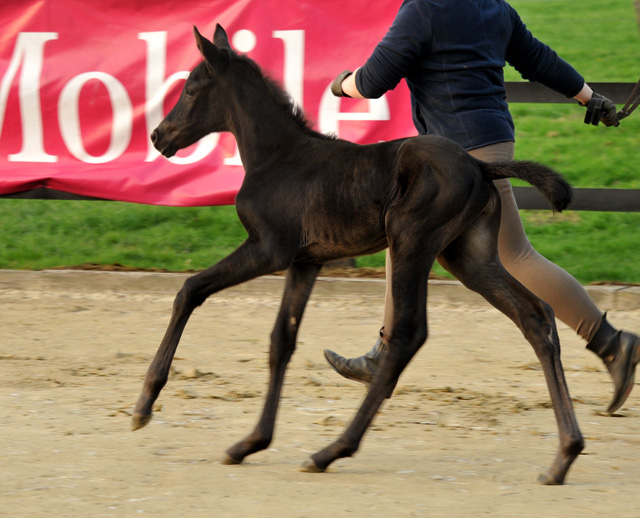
[28,55]
[293,82]
[69,117]
[293,63]
[156,89]
[330,114]
[244,41]
[28,51]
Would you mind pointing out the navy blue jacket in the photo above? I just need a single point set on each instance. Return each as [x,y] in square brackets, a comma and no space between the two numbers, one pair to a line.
[452,54]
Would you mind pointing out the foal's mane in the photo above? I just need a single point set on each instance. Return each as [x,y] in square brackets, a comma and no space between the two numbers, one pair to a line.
[284,100]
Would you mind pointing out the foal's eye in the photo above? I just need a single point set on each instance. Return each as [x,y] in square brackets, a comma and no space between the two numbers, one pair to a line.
[189,92]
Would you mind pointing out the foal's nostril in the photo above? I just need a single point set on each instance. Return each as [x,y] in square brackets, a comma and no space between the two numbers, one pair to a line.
[154,136]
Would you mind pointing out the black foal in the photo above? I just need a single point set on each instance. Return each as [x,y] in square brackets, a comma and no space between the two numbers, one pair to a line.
[309,198]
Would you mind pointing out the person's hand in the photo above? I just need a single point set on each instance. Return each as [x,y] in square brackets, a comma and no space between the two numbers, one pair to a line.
[336,86]
[599,108]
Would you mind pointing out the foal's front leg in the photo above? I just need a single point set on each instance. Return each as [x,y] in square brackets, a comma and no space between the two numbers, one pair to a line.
[300,280]
[247,262]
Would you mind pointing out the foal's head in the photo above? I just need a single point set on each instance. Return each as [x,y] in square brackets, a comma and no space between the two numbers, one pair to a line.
[201,108]
[207,100]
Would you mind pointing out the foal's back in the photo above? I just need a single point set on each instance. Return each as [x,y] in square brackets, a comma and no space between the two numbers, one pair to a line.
[339,195]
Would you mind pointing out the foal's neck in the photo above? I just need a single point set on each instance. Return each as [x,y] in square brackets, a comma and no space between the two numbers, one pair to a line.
[264,121]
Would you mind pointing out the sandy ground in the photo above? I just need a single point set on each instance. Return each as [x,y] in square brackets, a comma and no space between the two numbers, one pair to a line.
[466,433]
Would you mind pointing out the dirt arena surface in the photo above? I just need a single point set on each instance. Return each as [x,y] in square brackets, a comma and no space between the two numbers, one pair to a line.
[466,434]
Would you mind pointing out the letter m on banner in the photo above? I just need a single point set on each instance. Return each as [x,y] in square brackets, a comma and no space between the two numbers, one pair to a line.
[28,55]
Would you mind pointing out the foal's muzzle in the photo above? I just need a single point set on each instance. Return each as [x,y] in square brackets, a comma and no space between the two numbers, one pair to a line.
[162,143]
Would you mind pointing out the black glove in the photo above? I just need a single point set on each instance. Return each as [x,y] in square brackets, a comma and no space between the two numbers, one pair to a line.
[336,86]
[602,109]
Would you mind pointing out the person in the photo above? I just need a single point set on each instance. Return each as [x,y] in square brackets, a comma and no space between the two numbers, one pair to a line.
[452,54]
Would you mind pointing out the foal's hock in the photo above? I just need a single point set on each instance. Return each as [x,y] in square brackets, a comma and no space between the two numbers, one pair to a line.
[309,198]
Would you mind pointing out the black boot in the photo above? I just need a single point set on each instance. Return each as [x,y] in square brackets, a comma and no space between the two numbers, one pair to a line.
[620,352]
[360,369]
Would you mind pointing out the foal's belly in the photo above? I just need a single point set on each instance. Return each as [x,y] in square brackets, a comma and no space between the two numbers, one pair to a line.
[322,251]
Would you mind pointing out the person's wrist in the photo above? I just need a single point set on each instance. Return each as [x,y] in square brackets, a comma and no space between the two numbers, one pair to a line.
[336,86]
[584,95]
[594,95]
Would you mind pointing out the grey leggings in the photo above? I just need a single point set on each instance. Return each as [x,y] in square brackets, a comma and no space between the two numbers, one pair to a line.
[559,289]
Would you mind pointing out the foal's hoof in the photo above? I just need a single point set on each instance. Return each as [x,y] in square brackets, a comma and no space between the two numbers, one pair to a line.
[308,466]
[547,480]
[139,421]
[229,460]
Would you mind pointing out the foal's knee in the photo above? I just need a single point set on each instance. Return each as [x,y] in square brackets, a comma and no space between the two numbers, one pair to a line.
[283,342]
[420,337]
[188,297]
[405,343]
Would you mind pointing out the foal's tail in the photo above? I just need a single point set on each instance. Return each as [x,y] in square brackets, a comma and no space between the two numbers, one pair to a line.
[549,182]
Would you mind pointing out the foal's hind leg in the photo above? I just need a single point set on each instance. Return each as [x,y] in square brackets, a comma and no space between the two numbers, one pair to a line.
[473,258]
[410,273]
[300,280]
[247,262]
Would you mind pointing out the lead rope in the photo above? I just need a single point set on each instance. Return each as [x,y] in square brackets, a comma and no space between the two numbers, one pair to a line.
[632,103]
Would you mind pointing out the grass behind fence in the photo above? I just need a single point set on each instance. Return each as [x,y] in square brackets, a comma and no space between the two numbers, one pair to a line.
[601,39]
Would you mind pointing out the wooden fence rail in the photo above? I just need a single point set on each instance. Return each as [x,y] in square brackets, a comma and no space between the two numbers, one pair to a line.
[607,200]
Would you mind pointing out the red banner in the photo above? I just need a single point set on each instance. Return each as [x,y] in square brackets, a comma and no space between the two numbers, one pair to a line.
[83,84]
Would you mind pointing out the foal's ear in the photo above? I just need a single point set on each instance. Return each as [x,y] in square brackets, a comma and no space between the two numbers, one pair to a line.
[218,58]
[220,38]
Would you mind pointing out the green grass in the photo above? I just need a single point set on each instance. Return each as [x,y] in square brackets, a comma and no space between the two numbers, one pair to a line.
[47,234]
[601,40]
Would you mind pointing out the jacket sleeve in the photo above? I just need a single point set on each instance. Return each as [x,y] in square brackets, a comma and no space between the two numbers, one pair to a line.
[398,52]
[540,63]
